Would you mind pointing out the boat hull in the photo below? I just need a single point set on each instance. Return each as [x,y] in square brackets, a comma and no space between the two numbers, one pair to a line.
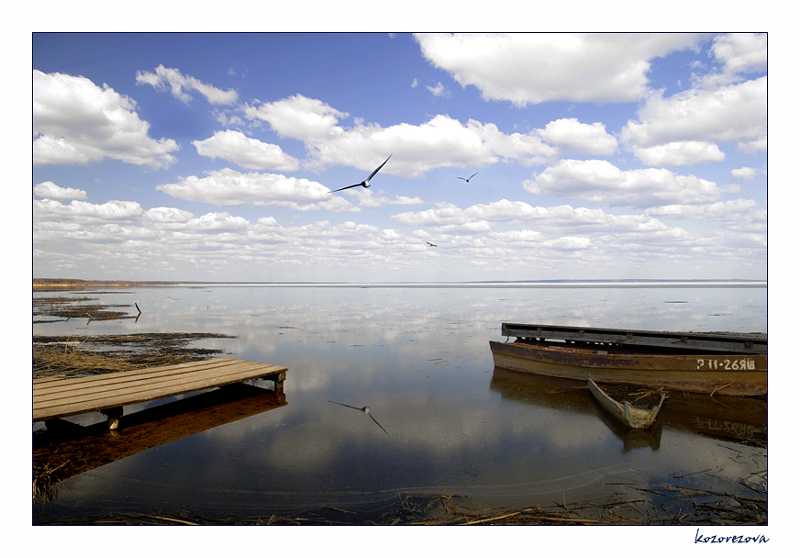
[723,374]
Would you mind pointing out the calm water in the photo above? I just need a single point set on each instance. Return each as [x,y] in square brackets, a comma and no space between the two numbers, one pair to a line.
[419,358]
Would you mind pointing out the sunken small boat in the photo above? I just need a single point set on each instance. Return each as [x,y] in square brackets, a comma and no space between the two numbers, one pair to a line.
[625,412]
[713,363]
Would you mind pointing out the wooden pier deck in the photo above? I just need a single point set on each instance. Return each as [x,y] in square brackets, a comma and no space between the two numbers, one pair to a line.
[55,398]
[70,449]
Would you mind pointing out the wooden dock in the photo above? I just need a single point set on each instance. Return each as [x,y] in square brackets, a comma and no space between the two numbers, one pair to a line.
[56,398]
[68,449]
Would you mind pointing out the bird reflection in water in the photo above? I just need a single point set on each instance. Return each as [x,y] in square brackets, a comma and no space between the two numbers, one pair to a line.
[364,409]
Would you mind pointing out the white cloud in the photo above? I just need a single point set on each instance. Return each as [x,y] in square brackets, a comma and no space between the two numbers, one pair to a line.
[547,236]
[744,173]
[438,90]
[530,68]
[217,222]
[52,191]
[369,198]
[246,152]
[752,146]
[574,136]
[299,117]
[739,53]
[680,153]
[440,142]
[227,187]
[742,52]
[78,122]
[557,220]
[600,181]
[734,113]
[570,243]
[180,86]
[732,210]
[742,226]
[166,216]
[113,210]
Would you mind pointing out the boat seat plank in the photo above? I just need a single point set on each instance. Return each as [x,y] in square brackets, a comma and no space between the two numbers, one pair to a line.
[744,343]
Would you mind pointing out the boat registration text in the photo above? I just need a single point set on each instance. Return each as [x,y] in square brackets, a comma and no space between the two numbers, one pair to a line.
[726,364]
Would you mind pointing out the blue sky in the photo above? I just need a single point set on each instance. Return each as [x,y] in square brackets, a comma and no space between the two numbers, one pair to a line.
[211,157]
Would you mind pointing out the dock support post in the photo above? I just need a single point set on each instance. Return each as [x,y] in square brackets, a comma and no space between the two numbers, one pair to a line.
[113,416]
[278,379]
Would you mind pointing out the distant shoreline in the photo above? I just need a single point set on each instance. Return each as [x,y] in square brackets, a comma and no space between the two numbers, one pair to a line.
[47,284]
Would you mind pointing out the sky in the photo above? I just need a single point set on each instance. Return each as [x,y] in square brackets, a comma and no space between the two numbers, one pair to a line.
[213,157]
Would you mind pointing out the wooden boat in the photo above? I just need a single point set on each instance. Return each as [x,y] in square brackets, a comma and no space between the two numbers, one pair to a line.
[634,417]
[711,363]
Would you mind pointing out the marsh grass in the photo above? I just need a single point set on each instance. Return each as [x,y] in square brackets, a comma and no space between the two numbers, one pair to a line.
[48,309]
[98,354]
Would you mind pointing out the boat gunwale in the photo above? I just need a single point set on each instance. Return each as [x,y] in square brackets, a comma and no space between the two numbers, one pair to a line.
[713,342]
[670,372]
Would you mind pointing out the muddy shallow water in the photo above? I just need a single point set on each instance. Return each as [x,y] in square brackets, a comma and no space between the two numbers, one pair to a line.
[456,438]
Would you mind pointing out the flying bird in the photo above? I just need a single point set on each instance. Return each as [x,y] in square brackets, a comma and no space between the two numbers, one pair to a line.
[364,409]
[467,179]
[365,184]
[430,243]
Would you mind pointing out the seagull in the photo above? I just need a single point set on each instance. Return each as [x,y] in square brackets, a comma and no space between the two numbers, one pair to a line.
[365,184]
[467,179]
[364,409]
[430,243]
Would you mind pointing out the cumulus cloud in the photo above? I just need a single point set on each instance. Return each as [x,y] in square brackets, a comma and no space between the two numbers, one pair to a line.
[739,54]
[556,220]
[113,210]
[369,198]
[52,191]
[597,180]
[742,52]
[442,141]
[166,216]
[299,117]
[731,210]
[752,146]
[246,152]
[733,113]
[574,136]
[530,68]
[227,187]
[680,153]
[181,85]
[570,243]
[217,222]
[744,173]
[78,122]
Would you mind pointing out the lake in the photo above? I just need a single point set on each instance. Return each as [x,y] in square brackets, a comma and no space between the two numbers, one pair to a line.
[448,428]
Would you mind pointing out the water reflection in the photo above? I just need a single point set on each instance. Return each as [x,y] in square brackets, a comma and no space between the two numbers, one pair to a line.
[66,448]
[420,358]
[365,409]
[573,397]
[743,419]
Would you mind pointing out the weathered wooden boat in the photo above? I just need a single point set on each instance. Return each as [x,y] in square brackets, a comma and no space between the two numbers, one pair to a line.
[711,363]
[625,412]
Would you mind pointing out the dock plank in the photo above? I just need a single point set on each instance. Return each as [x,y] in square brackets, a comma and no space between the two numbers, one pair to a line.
[61,397]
